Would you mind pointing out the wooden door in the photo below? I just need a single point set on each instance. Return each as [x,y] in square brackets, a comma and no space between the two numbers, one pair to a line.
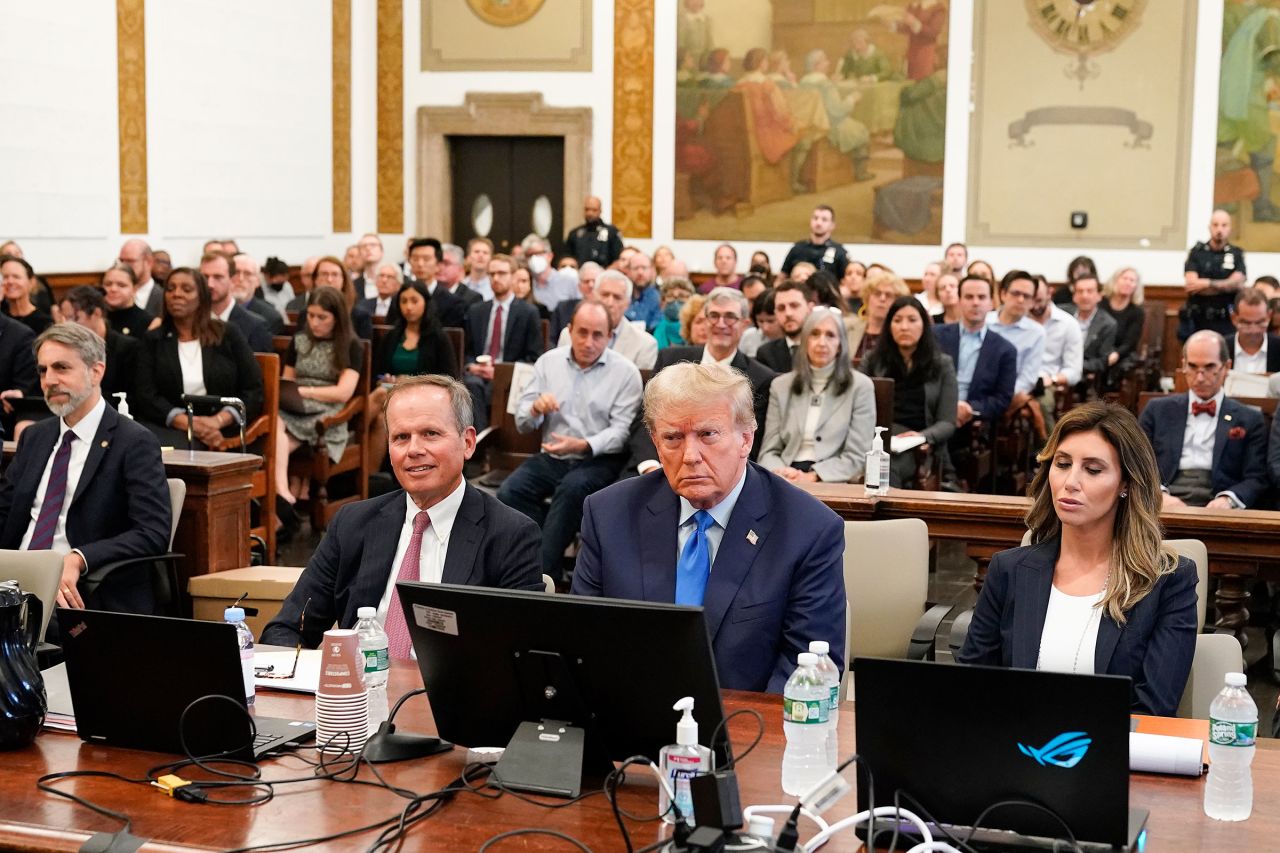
[505,187]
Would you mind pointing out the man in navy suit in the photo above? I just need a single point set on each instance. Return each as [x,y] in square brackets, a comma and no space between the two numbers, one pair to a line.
[501,329]
[986,368]
[217,269]
[1210,449]
[763,558]
[88,483]
[436,529]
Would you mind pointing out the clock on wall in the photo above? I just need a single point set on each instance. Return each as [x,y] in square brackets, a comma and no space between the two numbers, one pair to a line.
[1084,28]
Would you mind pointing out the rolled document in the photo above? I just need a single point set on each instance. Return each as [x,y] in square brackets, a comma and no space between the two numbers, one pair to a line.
[1165,754]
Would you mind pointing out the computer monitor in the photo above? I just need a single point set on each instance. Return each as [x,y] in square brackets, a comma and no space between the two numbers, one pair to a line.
[567,684]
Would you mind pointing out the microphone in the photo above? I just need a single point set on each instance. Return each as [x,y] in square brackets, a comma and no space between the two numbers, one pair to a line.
[212,400]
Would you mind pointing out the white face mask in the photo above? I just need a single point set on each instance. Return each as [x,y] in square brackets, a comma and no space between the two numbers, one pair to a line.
[537,265]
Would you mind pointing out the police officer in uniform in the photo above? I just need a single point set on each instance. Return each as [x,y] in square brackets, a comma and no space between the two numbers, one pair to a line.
[819,250]
[593,240]
[1214,272]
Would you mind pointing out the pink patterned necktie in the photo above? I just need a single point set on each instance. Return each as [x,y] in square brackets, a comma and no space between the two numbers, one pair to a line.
[398,642]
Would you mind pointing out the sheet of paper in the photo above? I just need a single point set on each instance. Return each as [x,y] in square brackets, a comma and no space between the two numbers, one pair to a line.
[61,715]
[903,443]
[305,679]
[521,374]
[1241,384]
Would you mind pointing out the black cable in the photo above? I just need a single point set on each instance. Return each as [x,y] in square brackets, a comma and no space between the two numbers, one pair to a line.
[722,727]
[551,832]
[919,809]
[871,789]
[1032,804]
[43,784]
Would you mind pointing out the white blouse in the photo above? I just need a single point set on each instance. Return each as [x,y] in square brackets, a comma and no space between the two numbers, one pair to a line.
[1070,634]
[808,451]
[191,360]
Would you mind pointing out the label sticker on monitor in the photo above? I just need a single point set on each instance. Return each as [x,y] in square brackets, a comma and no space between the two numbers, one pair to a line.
[435,619]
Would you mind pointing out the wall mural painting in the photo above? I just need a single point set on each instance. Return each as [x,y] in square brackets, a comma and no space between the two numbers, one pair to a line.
[1249,122]
[783,105]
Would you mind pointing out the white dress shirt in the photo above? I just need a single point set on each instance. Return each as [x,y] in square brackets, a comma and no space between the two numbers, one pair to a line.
[1063,347]
[85,432]
[708,358]
[1245,363]
[225,314]
[721,512]
[143,293]
[435,543]
[1070,635]
[1198,438]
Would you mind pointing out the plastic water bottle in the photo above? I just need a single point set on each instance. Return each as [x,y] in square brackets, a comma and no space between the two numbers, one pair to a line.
[1233,726]
[235,615]
[377,663]
[831,676]
[805,708]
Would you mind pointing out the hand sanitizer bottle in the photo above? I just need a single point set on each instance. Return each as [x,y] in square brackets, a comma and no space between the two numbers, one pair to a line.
[680,762]
[876,474]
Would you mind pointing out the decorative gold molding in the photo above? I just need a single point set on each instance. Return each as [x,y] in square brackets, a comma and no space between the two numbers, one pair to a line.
[341,115]
[457,38]
[391,116]
[131,106]
[633,117]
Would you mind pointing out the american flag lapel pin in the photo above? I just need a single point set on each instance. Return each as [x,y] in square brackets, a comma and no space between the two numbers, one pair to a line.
[752,537]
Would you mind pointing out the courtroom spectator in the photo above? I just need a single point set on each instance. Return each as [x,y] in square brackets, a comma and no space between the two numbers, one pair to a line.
[16,281]
[276,290]
[1214,271]
[587,275]
[956,257]
[1253,349]
[499,329]
[1097,327]
[663,257]
[801,272]
[1082,265]
[928,294]
[924,384]
[137,255]
[382,308]
[821,249]
[851,281]
[761,265]
[17,368]
[1017,290]
[245,284]
[193,352]
[161,267]
[217,269]
[594,240]
[118,290]
[306,281]
[451,272]
[567,264]
[99,497]
[644,297]
[41,294]
[675,291]
[726,265]
[822,414]
[479,253]
[792,302]
[693,323]
[522,287]
[1062,364]
[455,533]
[826,291]
[1123,292]
[1210,449]
[415,346]
[1097,591]
[613,291]
[329,272]
[424,262]
[764,325]
[211,246]
[582,399]
[371,250]
[948,289]
[879,292]
[982,269]
[550,286]
[753,284]
[715,530]
[1267,285]
[324,359]
[87,307]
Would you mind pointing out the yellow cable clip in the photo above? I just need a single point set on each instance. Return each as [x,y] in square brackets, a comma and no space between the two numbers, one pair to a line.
[170,783]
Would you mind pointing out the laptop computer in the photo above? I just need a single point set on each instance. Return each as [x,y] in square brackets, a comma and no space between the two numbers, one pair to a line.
[132,677]
[959,739]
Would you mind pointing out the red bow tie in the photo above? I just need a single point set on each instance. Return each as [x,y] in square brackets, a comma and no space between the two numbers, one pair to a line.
[1210,408]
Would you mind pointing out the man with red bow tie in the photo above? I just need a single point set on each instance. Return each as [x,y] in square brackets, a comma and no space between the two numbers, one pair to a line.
[1210,449]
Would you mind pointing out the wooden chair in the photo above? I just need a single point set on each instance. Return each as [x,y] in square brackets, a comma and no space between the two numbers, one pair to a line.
[263,484]
[314,464]
[927,462]
[457,339]
[502,447]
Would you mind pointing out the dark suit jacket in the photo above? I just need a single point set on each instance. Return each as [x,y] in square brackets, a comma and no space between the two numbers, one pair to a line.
[155,300]
[467,295]
[562,314]
[1154,647]
[991,389]
[252,328]
[523,340]
[268,315]
[1239,464]
[122,367]
[775,355]
[17,362]
[120,509]
[491,545]
[764,601]
[450,310]
[641,443]
[1273,351]
[1100,342]
[229,371]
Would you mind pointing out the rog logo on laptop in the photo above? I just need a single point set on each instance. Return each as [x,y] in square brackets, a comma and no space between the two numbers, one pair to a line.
[1064,751]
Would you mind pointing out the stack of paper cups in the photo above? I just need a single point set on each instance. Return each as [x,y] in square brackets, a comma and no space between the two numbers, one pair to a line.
[342,702]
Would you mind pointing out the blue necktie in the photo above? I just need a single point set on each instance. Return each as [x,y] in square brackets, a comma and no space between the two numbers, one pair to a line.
[695,562]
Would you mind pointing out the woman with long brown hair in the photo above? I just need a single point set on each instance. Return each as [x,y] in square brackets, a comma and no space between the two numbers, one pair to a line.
[1097,591]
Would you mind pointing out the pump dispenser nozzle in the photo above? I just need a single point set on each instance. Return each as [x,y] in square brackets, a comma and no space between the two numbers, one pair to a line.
[687,728]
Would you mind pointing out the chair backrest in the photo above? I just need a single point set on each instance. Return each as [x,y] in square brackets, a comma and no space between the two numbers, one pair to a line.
[548,584]
[886,581]
[37,572]
[457,339]
[511,446]
[884,402]
[1216,655]
[177,497]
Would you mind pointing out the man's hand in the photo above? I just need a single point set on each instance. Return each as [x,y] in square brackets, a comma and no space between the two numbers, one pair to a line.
[964,413]
[565,445]
[1113,358]
[484,371]
[545,403]
[6,396]
[1220,502]
[68,594]
[1198,285]
[1168,501]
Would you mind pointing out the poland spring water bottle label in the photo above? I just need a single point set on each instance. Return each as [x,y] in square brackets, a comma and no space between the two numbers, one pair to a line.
[1227,733]
[376,660]
[804,710]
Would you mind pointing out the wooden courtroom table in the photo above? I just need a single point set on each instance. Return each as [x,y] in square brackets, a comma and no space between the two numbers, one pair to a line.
[33,820]
[1242,543]
[213,529]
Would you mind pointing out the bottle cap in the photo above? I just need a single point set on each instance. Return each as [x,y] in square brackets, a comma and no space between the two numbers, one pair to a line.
[687,727]
[807,659]
[1236,679]
[761,826]
[233,614]
[366,612]
[819,647]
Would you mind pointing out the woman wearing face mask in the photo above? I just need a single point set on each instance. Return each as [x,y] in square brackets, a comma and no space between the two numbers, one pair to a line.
[822,414]
[674,293]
